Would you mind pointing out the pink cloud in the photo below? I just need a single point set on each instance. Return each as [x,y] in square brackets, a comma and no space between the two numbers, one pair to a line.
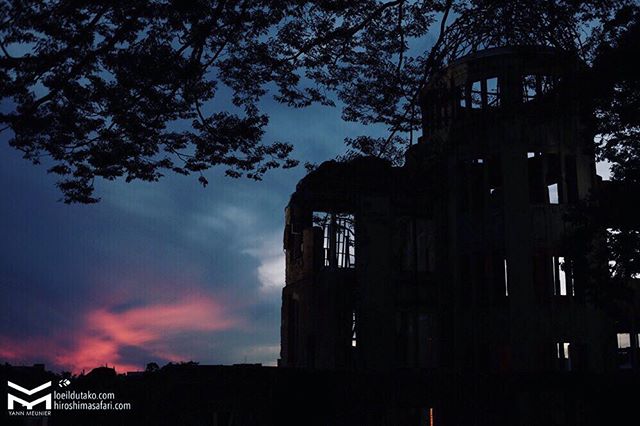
[10,349]
[98,340]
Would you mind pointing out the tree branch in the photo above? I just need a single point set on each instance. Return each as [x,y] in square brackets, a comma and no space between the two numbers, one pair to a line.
[401,32]
[4,50]
[427,67]
[345,32]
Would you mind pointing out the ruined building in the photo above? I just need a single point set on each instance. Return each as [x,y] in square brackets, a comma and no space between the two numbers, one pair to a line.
[457,261]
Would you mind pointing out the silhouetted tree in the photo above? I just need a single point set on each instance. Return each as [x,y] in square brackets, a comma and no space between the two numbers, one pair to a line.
[606,227]
[152,367]
[112,88]
[616,85]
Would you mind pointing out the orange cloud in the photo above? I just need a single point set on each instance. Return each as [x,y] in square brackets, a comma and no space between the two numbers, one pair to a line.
[104,332]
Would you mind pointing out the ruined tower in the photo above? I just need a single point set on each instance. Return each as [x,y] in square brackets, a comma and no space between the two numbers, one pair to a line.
[457,261]
[518,153]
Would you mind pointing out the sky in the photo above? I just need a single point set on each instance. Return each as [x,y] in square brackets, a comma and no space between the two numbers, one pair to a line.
[156,272]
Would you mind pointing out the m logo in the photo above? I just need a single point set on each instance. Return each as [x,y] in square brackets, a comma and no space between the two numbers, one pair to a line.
[46,399]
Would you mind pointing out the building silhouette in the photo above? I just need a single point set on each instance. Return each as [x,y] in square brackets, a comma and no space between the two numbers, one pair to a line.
[459,262]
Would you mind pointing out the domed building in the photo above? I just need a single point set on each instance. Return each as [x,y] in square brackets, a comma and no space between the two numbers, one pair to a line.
[459,263]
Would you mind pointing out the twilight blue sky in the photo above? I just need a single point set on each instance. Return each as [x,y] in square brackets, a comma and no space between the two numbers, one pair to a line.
[160,272]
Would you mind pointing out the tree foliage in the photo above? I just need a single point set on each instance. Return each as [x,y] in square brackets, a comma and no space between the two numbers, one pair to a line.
[616,93]
[113,88]
[615,84]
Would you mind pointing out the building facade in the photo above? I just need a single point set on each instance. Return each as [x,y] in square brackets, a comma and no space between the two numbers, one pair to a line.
[459,261]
